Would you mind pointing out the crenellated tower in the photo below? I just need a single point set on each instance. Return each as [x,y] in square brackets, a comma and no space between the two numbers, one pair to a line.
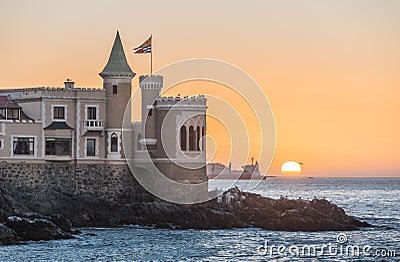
[117,81]
[150,86]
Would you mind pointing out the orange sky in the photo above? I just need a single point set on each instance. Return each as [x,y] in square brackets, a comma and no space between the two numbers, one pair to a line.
[330,69]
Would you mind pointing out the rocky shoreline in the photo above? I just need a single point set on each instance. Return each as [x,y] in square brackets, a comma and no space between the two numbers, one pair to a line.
[54,218]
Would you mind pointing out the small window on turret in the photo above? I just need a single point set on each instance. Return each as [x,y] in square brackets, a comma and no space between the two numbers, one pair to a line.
[115,89]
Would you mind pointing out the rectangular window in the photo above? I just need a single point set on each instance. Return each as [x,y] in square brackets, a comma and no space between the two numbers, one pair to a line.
[12,113]
[24,145]
[58,146]
[115,89]
[114,142]
[91,113]
[3,112]
[59,112]
[91,147]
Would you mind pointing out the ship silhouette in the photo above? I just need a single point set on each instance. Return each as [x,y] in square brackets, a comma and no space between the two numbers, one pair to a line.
[221,171]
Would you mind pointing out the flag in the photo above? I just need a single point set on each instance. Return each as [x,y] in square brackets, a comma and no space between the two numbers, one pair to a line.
[144,48]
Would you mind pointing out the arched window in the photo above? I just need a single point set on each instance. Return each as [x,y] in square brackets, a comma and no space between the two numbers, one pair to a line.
[203,135]
[198,138]
[183,138]
[192,139]
[139,136]
[114,142]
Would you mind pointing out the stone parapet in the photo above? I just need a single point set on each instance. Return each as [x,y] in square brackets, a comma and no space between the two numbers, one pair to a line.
[54,92]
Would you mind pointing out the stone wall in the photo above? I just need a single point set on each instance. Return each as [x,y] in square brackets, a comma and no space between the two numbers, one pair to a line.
[109,182]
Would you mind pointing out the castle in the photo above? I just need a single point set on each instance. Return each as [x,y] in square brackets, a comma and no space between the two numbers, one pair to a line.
[72,125]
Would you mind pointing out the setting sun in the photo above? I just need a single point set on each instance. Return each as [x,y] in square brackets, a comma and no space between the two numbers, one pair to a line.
[291,167]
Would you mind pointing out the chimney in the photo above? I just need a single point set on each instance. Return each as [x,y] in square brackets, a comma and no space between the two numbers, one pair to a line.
[69,84]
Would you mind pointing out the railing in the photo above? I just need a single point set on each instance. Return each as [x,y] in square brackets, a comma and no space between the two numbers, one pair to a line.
[93,125]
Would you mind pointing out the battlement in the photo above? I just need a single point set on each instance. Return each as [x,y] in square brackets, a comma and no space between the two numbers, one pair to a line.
[198,102]
[150,77]
[25,89]
[54,92]
[47,88]
[151,82]
[198,98]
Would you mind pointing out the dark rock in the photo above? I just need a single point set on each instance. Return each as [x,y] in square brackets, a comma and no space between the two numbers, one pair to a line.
[62,222]
[233,209]
[8,205]
[59,220]
[35,229]
[236,209]
[287,214]
[8,236]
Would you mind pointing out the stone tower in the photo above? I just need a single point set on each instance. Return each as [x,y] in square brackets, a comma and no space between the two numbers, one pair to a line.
[150,87]
[117,81]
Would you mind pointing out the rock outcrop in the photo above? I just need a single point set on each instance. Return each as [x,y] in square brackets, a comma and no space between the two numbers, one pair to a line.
[236,209]
[232,209]
[18,225]
[35,229]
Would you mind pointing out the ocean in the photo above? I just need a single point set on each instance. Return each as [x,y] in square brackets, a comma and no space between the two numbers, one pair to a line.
[375,200]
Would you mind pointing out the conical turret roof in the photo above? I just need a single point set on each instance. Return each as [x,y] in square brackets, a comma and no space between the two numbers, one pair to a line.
[117,64]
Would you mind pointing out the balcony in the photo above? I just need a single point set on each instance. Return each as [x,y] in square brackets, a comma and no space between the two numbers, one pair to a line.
[93,125]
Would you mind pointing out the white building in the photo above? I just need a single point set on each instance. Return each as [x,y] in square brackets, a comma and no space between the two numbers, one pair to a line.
[86,124]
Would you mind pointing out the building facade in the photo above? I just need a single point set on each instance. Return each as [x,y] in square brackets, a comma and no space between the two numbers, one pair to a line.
[88,125]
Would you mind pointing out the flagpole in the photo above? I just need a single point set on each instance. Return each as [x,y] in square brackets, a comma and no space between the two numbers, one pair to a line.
[151,55]
[144,49]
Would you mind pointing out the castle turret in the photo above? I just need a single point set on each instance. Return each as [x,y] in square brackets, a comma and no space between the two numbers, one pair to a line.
[151,87]
[117,81]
